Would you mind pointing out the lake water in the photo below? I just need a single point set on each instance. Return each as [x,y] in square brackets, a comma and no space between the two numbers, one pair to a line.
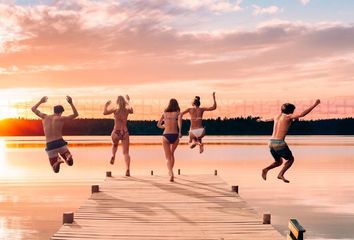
[320,194]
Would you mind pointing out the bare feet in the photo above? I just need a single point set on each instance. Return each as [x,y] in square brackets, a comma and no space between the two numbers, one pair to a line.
[69,161]
[172,179]
[127,173]
[193,144]
[112,160]
[284,179]
[264,174]
[201,148]
[56,165]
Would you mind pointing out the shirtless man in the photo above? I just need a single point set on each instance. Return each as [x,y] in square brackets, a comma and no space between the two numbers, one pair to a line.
[278,147]
[197,131]
[53,126]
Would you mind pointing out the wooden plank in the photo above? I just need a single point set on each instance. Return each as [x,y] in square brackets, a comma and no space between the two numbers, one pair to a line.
[151,208]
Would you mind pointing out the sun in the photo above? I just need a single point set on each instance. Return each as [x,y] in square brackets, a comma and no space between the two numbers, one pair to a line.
[7,111]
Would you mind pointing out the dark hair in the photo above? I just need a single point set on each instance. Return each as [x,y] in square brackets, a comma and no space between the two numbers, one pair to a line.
[287,108]
[196,101]
[172,106]
[58,109]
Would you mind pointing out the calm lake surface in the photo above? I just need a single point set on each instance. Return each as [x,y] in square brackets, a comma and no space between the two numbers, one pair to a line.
[320,194]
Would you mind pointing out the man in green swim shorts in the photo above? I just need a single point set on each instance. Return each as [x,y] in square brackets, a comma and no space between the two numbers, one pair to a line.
[277,145]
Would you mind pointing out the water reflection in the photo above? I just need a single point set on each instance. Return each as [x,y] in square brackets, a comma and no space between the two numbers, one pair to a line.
[320,193]
[13,227]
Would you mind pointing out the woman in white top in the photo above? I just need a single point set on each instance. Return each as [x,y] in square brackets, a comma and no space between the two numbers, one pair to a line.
[197,131]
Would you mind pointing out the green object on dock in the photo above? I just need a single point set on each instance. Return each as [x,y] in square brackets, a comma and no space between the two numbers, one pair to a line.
[296,230]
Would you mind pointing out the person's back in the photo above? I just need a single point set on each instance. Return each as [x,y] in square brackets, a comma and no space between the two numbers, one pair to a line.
[171,126]
[197,130]
[277,145]
[171,122]
[121,119]
[52,126]
[196,115]
[120,131]
[281,126]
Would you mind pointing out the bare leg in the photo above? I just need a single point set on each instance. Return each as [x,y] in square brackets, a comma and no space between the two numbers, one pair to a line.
[168,154]
[55,163]
[115,142]
[287,165]
[125,144]
[201,145]
[173,149]
[66,155]
[192,140]
[271,166]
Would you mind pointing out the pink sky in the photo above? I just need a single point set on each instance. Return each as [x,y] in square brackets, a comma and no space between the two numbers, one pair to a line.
[98,50]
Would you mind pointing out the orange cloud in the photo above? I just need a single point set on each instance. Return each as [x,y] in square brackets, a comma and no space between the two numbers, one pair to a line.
[135,46]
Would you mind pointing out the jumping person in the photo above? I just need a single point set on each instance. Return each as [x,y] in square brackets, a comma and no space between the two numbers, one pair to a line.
[53,126]
[171,134]
[120,130]
[277,145]
[197,131]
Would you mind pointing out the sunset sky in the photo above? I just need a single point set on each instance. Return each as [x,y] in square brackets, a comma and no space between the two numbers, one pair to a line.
[250,52]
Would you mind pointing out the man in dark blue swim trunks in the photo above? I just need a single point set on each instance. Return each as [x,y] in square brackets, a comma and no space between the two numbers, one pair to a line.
[277,145]
[53,126]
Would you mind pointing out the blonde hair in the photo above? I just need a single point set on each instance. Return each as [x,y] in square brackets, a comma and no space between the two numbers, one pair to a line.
[121,104]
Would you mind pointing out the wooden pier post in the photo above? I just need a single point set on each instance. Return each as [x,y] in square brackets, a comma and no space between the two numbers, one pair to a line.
[296,230]
[215,172]
[95,188]
[152,172]
[234,188]
[109,174]
[179,171]
[266,218]
[68,217]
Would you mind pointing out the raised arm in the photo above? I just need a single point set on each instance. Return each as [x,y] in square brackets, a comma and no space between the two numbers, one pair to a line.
[35,107]
[106,111]
[130,108]
[180,116]
[307,111]
[75,113]
[212,108]
[180,121]
[179,125]
[159,123]
[260,119]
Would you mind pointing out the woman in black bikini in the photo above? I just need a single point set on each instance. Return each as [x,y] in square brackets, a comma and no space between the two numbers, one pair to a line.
[120,130]
[171,134]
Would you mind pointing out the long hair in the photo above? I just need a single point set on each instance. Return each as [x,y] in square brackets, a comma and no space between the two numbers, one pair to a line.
[121,104]
[196,101]
[172,106]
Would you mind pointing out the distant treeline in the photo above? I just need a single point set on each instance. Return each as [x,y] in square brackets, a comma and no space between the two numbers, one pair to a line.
[227,126]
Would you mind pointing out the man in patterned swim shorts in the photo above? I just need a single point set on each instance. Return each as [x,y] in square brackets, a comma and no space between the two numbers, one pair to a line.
[277,145]
[53,126]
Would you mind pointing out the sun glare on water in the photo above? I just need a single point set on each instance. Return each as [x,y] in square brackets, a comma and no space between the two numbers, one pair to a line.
[3,165]
[7,171]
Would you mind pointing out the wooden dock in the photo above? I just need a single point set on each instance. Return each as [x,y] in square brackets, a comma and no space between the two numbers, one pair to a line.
[151,208]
